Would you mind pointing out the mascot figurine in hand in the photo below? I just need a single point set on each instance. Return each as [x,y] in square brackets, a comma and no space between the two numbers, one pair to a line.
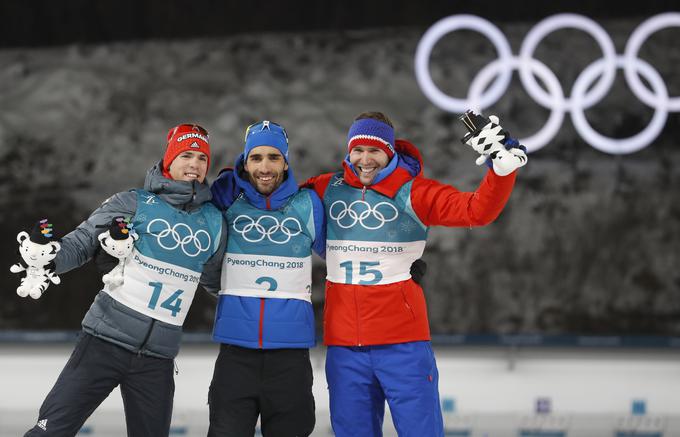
[118,241]
[37,252]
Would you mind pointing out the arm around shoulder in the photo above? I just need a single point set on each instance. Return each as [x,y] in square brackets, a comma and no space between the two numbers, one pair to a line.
[319,215]
[212,270]
[318,183]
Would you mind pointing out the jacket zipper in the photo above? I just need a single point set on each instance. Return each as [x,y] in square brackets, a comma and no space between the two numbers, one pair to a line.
[146,338]
[261,321]
[260,340]
[406,304]
[356,302]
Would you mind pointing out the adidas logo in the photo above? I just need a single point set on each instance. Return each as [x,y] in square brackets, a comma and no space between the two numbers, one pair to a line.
[195,145]
[42,424]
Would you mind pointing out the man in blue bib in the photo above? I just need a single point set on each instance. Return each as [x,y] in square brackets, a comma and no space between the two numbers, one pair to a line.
[132,331]
[264,319]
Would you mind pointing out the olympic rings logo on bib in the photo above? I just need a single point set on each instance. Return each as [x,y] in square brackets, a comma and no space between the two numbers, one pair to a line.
[180,235]
[583,96]
[362,212]
[268,227]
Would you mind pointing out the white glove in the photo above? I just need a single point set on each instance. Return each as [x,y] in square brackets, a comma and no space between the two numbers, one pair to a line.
[491,142]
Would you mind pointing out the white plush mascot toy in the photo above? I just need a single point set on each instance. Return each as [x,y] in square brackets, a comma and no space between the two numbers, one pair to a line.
[118,241]
[497,149]
[37,251]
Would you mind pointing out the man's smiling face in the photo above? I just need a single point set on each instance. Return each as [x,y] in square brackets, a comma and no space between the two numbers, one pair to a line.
[189,166]
[368,161]
[266,168]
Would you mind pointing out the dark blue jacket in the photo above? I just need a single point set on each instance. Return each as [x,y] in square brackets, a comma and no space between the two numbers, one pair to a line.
[267,323]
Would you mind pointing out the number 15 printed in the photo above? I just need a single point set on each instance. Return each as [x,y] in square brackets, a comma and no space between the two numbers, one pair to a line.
[364,271]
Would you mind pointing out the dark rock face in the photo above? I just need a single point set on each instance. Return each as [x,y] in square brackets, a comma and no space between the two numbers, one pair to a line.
[587,245]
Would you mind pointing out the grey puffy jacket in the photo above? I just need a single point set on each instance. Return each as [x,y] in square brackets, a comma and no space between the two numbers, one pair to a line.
[107,318]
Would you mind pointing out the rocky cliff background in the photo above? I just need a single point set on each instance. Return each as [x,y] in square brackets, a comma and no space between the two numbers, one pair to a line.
[588,244]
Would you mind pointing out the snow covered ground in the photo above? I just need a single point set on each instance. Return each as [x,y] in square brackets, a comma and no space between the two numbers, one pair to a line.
[489,392]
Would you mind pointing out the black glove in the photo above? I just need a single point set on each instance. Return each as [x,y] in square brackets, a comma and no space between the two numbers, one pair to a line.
[418,270]
[104,262]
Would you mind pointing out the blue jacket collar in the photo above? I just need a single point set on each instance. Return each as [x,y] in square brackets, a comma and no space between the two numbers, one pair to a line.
[276,200]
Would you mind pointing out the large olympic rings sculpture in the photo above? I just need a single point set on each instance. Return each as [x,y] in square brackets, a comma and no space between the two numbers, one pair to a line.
[581,97]
[339,210]
[245,225]
[169,238]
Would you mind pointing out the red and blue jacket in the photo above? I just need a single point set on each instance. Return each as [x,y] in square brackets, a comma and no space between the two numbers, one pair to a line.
[375,232]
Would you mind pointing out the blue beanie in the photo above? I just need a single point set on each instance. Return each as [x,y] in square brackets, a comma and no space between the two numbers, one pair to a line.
[266,133]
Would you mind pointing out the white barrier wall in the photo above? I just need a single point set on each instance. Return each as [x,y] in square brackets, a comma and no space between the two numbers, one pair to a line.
[485,391]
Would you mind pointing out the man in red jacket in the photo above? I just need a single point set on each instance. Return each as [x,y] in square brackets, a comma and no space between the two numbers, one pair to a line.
[378,213]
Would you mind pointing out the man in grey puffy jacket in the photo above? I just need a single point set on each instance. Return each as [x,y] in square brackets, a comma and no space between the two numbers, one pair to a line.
[132,331]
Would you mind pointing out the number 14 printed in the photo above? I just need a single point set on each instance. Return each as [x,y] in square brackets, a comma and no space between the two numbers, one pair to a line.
[172,303]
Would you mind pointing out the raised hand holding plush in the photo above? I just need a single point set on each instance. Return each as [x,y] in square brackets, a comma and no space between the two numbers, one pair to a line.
[118,241]
[37,251]
[497,149]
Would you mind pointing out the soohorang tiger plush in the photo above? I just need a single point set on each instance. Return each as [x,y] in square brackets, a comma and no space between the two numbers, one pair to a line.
[118,241]
[37,251]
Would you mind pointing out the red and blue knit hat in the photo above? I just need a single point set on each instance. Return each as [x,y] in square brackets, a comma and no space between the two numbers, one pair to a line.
[372,133]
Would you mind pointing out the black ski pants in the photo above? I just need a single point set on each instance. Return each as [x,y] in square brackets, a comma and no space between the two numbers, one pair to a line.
[275,384]
[95,368]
